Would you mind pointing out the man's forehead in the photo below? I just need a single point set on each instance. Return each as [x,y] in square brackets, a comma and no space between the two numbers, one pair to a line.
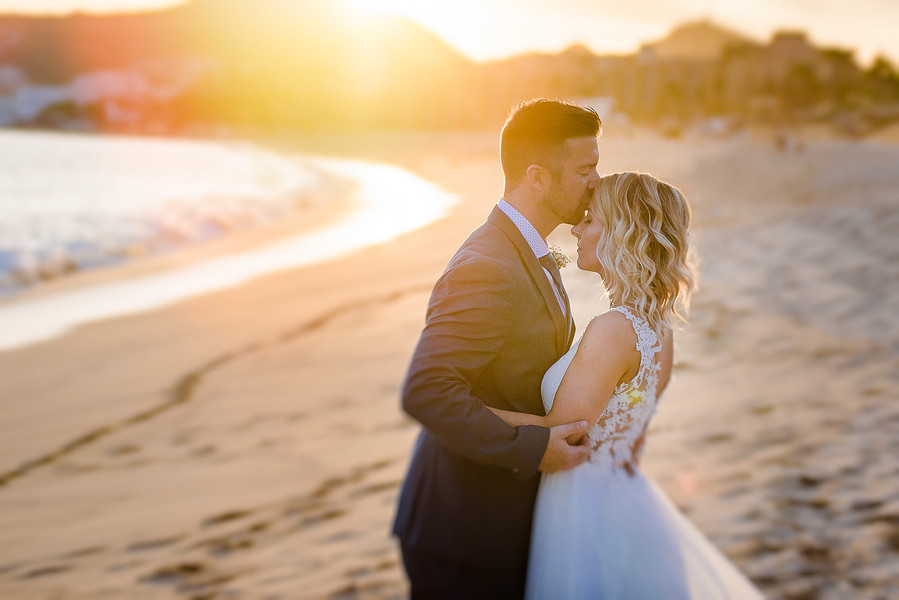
[583,151]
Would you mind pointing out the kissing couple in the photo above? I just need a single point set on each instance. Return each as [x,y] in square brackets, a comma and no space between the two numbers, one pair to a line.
[524,481]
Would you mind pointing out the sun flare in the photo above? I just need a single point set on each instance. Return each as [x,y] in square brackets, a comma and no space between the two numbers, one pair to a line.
[378,8]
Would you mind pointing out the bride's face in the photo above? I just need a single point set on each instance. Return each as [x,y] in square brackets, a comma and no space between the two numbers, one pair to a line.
[588,233]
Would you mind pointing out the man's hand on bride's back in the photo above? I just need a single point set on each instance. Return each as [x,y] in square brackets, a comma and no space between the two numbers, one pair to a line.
[561,455]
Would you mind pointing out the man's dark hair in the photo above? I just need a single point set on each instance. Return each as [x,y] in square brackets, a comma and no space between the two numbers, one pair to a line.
[535,133]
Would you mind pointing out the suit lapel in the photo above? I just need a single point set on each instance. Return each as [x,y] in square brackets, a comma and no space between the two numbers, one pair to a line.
[564,328]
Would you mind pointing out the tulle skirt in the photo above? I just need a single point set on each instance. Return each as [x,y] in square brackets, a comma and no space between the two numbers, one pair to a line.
[602,534]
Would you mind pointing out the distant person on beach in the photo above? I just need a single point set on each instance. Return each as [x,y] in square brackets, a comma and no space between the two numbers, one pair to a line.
[497,319]
[602,529]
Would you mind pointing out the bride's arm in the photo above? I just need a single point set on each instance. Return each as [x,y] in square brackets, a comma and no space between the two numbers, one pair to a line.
[516,418]
[606,355]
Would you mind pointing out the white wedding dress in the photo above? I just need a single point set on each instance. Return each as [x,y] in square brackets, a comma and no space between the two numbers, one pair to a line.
[604,531]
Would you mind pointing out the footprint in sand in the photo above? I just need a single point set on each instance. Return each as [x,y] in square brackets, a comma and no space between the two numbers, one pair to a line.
[45,571]
[717,438]
[146,545]
[311,520]
[226,517]
[123,449]
[84,552]
[375,488]
[190,577]
[204,451]
[227,544]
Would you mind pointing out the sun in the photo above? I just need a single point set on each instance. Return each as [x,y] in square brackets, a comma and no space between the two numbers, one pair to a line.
[379,8]
[459,22]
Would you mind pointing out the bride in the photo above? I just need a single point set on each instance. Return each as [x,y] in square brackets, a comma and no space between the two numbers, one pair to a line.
[602,529]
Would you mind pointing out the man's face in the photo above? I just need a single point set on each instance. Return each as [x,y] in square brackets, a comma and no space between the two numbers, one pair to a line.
[573,182]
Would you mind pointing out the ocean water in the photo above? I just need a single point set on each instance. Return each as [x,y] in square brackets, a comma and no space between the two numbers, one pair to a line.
[74,202]
[71,201]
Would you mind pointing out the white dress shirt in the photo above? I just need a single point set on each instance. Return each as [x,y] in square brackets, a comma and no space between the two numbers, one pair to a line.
[538,244]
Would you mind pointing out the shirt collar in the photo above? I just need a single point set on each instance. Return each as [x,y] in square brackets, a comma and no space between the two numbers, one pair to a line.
[537,243]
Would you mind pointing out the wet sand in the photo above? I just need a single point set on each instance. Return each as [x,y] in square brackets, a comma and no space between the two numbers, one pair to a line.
[248,443]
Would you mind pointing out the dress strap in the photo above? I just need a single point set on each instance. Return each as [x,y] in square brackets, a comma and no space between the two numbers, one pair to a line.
[647,338]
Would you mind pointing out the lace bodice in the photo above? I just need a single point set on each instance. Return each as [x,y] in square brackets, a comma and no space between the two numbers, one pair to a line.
[615,435]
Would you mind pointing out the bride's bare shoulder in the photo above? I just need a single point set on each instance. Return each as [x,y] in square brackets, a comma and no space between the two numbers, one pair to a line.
[610,329]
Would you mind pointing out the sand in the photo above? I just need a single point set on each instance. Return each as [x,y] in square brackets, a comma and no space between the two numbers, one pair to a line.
[248,443]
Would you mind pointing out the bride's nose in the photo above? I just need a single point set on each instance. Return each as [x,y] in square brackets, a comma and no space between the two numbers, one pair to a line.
[576,231]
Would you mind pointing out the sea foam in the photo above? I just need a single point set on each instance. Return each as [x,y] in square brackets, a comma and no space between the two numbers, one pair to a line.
[70,202]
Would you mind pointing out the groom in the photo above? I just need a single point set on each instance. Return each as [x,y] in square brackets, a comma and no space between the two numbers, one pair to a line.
[497,319]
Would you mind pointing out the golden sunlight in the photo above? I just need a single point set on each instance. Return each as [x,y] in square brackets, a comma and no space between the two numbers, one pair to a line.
[461,23]
[365,8]
[61,7]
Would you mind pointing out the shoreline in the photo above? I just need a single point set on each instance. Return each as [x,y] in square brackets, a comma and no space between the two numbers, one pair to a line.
[89,201]
[361,216]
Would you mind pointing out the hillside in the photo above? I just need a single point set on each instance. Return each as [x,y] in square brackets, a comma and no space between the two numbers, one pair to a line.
[698,40]
[253,60]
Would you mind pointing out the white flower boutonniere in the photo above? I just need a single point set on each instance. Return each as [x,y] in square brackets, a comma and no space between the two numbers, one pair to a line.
[560,257]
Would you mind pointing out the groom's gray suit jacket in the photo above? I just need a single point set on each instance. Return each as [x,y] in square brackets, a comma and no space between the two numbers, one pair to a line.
[493,327]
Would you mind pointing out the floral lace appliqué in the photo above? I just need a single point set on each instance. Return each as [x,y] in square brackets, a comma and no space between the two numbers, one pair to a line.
[614,436]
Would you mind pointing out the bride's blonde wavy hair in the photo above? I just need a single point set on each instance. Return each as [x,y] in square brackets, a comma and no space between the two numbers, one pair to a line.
[644,247]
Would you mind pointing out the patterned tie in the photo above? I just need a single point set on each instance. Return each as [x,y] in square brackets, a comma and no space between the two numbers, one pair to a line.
[549,263]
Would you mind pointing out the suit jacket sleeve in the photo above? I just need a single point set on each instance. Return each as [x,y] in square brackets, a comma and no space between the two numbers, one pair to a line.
[470,316]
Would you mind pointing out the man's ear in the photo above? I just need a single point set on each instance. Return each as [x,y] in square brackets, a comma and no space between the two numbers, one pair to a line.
[538,177]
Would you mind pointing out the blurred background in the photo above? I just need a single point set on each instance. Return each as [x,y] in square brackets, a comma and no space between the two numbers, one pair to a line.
[220,66]
[220,221]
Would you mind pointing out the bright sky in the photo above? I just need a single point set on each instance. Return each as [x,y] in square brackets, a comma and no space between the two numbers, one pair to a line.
[487,29]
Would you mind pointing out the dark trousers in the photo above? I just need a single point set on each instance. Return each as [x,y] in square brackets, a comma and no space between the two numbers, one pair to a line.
[433,578]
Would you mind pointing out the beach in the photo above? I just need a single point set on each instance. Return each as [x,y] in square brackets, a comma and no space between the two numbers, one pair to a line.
[248,442]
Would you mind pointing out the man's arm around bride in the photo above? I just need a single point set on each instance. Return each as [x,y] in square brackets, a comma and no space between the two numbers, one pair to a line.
[496,321]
